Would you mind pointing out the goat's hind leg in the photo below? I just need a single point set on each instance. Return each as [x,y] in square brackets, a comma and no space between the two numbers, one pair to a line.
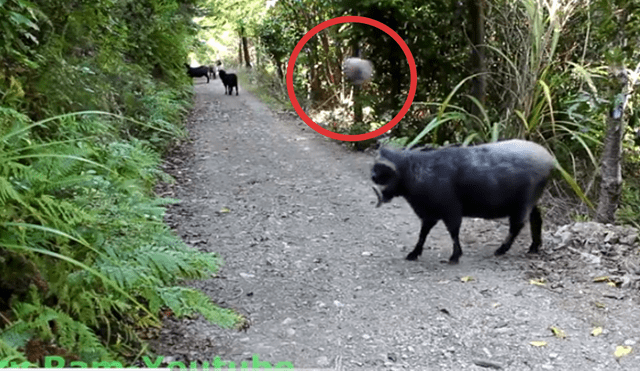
[535,220]
[515,225]
[453,223]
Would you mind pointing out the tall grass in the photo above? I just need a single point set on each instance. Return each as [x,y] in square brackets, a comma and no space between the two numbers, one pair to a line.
[526,84]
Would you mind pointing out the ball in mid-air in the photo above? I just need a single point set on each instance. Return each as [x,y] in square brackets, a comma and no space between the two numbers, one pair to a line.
[357,70]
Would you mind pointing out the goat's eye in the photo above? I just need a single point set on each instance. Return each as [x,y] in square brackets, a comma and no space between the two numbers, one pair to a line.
[382,174]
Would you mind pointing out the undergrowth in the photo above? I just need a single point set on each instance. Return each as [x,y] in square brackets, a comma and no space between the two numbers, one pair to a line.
[91,96]
[262,82]
[86,259]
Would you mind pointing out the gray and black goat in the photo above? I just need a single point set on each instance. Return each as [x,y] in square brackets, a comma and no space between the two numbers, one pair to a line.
[496,180]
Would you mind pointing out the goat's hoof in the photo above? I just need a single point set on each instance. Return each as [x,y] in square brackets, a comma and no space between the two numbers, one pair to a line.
[454,261]
[412,256]
[501,251]
[533,249]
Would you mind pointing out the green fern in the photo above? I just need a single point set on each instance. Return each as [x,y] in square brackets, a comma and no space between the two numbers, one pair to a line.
[36,320]
[9,354]
[184,301]
[76,202]
[76,189]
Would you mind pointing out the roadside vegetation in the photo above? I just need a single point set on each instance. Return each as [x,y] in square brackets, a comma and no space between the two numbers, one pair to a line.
[91,95]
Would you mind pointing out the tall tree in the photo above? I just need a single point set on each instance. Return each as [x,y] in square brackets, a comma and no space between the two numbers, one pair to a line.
[241,17]
[244,44]
[476,36]
[620,27]
[611,167]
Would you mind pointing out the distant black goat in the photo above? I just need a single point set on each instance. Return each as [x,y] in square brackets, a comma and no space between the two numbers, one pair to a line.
[200,71]
[230,80]
[503,179]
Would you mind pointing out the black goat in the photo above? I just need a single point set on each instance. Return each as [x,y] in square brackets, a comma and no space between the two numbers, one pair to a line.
[230,80]
[503,179]
[200,71]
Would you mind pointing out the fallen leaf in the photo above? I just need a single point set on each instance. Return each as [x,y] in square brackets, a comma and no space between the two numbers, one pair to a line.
[601,279]
[495,305]
[538,343]
[558,333]
[538,282]
[596,331]
[225,210]
[600,305]
[466,279]
[622,350]
[612,284]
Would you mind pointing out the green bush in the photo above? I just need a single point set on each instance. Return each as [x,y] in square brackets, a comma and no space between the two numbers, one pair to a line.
[81,215]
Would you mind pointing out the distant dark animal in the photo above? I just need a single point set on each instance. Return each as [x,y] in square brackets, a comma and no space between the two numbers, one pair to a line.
[503,179]
[213,70]
[230,80]
[200,71]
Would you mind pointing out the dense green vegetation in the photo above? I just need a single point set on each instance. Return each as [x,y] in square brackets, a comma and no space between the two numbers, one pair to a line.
[91,94]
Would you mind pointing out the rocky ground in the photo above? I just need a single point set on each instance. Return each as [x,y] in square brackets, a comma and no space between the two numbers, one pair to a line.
[320,274]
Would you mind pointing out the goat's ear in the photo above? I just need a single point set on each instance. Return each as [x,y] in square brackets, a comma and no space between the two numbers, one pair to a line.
[383,172]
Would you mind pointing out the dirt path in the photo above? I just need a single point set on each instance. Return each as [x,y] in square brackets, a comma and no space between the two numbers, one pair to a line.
[319,271]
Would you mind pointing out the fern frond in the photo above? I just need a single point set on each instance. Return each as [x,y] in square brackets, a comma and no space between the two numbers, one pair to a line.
[11,357]
[184,301]
[169,262]
[127,276]
[75,336]
[35,320]
[16,334]
[65,214]
[8,193]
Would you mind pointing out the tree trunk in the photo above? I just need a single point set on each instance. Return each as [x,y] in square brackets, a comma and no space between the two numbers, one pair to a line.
[279,69]
[315,87]
[332,62]
[358,116]
[611,183]
[611,168]
[337,68]
[240,51]
[245,48]
[329,65]
[257,49]
[476,34]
